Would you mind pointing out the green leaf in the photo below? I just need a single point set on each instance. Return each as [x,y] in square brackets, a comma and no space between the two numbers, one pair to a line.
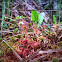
[48,26]
[54,19]
[14,19]
[3,9]
[41,18]
[0,35]
[60,22]
[15,30]
[17,17]
[34,16]
[13,38]
[5,24]
[21,17]
[8,7]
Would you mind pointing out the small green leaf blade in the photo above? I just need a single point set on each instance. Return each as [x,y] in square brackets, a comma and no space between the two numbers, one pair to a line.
[17,17]
[41,18]
[0,35]
[60,22]
[54,19]
[34,16]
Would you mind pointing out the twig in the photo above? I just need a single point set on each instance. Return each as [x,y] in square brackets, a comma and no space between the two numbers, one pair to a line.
[42,10]
[7,22]
[48,53]
[22,34]
[13,51]
[7,15]
[51,60]
[41,52]
[6,31]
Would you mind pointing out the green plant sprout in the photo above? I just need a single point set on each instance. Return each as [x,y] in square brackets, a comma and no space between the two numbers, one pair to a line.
[14,31]
[36,17]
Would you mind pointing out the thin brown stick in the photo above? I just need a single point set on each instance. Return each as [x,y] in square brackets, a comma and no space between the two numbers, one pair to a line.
[8,15]
[13,51]
[41,10]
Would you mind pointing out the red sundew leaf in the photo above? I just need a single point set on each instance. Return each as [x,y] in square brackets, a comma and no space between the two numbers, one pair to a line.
[37,44]
[34,27]
[60,52]
[29,40]
[24,42]
[46,27]
[20,52]
[28,46]
[37,31]
[24,53]
[24,28]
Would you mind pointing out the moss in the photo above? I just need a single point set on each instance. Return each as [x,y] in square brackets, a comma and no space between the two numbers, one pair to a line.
[4,45]
[9,50]
[60,44]
[1,52]
[30,24]
[55,59]
[30,30]
[55,47]
[14,47]
[10,43]
[2,60]
[19,36]
[13,38]
[36,61]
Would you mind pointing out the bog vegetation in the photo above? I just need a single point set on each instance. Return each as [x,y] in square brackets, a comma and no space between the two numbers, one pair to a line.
[30,31]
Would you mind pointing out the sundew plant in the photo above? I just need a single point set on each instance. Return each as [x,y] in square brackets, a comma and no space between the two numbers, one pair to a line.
[30,31]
